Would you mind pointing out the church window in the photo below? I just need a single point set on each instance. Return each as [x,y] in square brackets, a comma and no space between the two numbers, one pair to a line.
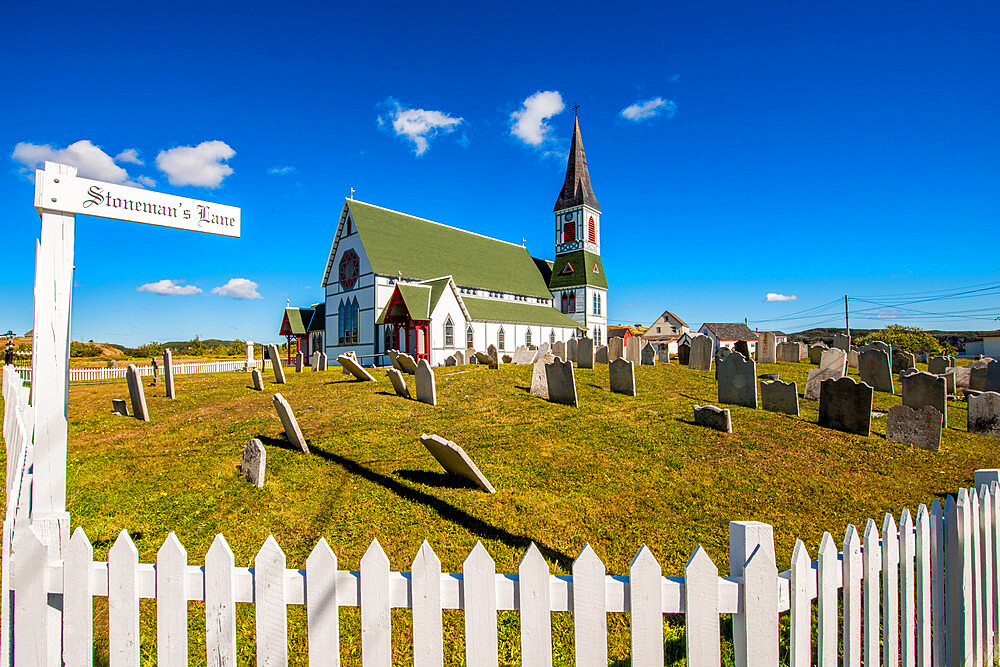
[552,337]
[469,338]
[449,333]
[501,340]
[597,303]
[348,269]
[340,322]
[567,269]
[527,337]
[347,226]
[565,302]
[597,335]
[570,301]
[569,232]
[592,230]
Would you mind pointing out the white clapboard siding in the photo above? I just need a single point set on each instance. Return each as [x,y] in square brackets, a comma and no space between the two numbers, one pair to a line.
[376,623]
[123,602]
[852,564]
[171,603]
[646,609]
[701,616]
[220,604]
[428,644]
[829,575]
[322,606]
[800,608]
[270,604]
[890,592]
[534,600]
[480,599]
[907,591]
[590,622]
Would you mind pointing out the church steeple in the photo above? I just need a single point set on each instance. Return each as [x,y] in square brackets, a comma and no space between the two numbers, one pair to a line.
[576,189]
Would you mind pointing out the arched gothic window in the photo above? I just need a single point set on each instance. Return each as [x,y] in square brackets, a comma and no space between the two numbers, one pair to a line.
[552,337]
[347,322]
[470,339]
[527,337]
[341,322]
[592,230]
[501,340]
[449,333]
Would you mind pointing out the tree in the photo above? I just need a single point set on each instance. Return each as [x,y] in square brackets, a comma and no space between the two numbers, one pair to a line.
[910,339]
[236,348]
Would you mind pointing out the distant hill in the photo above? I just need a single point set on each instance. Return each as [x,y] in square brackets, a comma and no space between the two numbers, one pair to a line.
[956,339]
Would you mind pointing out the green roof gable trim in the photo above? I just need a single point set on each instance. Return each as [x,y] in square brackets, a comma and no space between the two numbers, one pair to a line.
[582,274]
[420,300]
[298,321]
[419,249]
[516,312]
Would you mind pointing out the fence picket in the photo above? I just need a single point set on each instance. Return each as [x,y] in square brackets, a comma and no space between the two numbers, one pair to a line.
[31,612]
[171,603]
[123,602]
[986,569]
[536,608]
[645,606]
[220,604]
[800,608]
[922,584]
[78,602]
[322,614]
[890,592]
[270,600]
[995,540]
[872,563]
[701,610]
[590,622]
[958,576]
[425,586]
[976,569]
[479,595]
[827,577]
[376,624]
[907,606]
[939,602]
[852,598]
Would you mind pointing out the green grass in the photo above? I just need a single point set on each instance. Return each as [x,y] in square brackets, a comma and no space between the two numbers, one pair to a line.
[618,472]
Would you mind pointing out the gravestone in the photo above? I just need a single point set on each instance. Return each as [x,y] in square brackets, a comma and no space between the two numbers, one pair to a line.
[571,346]
[459,358]
[324,361]
[621,374]
[426,392]
[539,383]
[984,414]
[737,378]
[279,372]
[962,376]
[299,362]
[815,380]
[920,389]
[767,348]
[354,368]
[394,359]
[648,354]
[585,352]
[842,341]
[769,376]
[907,371]
[778,396]
[407,364]
[977,377]
[168,372]
[743,348]
[616,348]
[879,345]
[633,350]
[701,353]
[722,353]
[119,406]
[713,417]
[288,422]
[523,356]
[561,382]
[852,358]
[993,376]
[250,363]
[949,381]
[939,363]
[343,370]
[136,393]
[254,462]
[816,353]
[903,360]
[788,353]
[486,359]
[492,352]
[559,349]
[835,359]
[470,356]
[917,428]
[449,361]
[398,383]
[846,405]
[454,460]
[601,356]
[506,359]
[314,362]
[684,354]
[258,379]
[663,353]
[873,367]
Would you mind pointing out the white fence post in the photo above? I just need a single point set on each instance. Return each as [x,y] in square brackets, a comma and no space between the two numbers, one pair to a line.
[376,624]
[800,608]
[852,565]
[479,600]
[78,602]
[645,606]
[425,587]
[533,591]
[890,592]
[322,604]
[701,610]
[828,574]
[171,604]
[220,604]
[270,604]
[590,616]
[755,629]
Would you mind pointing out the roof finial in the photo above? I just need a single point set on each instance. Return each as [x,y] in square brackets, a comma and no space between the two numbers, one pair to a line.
[524,242]
[352,192]
[576,110]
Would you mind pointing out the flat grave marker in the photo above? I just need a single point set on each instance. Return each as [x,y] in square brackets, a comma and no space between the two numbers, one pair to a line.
[455,461]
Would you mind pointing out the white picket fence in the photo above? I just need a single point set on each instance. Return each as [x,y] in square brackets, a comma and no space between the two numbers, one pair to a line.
[92,374]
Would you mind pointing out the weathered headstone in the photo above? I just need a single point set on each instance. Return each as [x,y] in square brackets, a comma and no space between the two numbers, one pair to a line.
[585,352]
[778,396]
[398,383]
[788,353]
[722,353]
[977,377]
[616,348]
[407,364]
[279,372]
[251,362]
[454,459]
[168,372]
[561,382]
[920,389]
[394,359]
[470,356]
[633,350]
[324,361]
[880,345]
[314,362]
[288,422]
[962,376]
[873,367]
[816,353]
[424,377]
[949,381]
[917,428]
[939,363]
[648,355]
[814,382]
[684,354]
[743,348]
[846,405]
[993,376]
[713,417]
[842,341]
[258,379]
[559,349]
[448,361]
[354,368]
[903,360]
[136,393]
[523,356]
[486,359]
[506,359]
[737,377]
[343,371]
[835,359]
[767,348]
[701,353]
[539,382]
[459,357]
[254,462]
[984,414]
[492,351]
[299,363]
[601,356]
[119,406]
[852,358]
[663,353]
[621,374]
[571,346]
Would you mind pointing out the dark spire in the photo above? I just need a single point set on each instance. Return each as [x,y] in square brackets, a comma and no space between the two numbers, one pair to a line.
[576,189]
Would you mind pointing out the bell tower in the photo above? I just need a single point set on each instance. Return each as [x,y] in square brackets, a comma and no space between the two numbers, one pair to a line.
[578,215]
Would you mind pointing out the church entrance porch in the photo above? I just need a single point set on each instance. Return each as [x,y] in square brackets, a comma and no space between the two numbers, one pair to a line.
[407,334]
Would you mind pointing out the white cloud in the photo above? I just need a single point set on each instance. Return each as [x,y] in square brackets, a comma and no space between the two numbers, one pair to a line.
[280,171]
[202,166]
[90,161]
[774,296]
[418,126]
[528,122]
[645,109]
[167,287]
[238,288]
[146,181]
[129,155]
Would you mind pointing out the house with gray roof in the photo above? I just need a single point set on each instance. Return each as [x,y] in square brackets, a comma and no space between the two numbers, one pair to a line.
[666,331]
[724,334]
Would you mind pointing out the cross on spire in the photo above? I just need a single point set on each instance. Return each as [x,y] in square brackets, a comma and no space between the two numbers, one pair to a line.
[576,110]
[352,192]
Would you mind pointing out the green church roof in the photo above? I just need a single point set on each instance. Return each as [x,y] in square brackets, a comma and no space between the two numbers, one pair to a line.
[582,264]
[298,321]
[491,310]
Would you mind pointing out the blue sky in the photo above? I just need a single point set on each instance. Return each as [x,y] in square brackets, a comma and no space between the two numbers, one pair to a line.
[796,149]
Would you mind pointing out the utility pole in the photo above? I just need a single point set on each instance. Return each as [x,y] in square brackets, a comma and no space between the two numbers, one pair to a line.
[847,318]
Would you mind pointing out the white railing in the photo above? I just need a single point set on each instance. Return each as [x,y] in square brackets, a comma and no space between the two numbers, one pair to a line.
[94,374]
[925,593]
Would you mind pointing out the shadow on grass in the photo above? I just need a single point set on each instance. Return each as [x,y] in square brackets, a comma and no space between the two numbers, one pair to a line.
[436,479]
[279,443]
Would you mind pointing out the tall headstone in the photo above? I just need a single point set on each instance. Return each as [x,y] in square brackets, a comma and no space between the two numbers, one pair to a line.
[873,366]
[398,383]
[279,372]
[880,345]
[950,381]
[633,350]
[585,352]
[459,358]
[394,358]
[559,349]
[852,358]
[258,380]
[648,355]
[470,355]
[561,382]
[424,378]
[834,359]
[493,352]
[684,354]
[815,380]
[713,417]
[846,405]
[917,428]
[168,372]
[767,348]
[842,341]
[778,396]
[250,360]
[962,376]
[299,362]
[788,353]
[288,422]
[539,381]
[354,368]
[920,389]
[816,353]
[977,377]
[601,356]
[621,374]
[737,378]
[701,353]
[136,393]
[743,348]
[254,462]
[571,346]
[984,414]
[616,348]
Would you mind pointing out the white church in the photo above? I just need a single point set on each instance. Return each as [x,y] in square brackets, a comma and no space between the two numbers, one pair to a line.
[396,281]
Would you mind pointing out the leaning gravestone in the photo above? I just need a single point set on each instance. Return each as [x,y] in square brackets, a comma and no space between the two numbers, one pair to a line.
[701,353]
[984,414]
[815,380]
[354,368]
[788,353]
[585,352]
[561,382]
[852,358]
[119,407]
[816,353]
[616,348]
[743,348]
[136,393]
[633,350]
[279,372]
[903,360]
[398,383]
[663,353]
[917,428]
[621,374]
[846,405]
[993,376]
[454,459]
[424,378]
[571,346]
[343,371]
[299,362]
[778,396]
[559,349]
[737,378]
[292,431]
[539,383]
[920,389]
[713,417]
[648,355]
[486,359]
[684,354]
[407,364]
[168,372]
[873,367]
[601,356]
[835,359]
[258,380]
[842,341]
[394,359]
[767,348]
[254,462]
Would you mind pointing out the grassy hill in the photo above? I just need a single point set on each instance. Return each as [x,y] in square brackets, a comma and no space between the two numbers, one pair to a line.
[616,473]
